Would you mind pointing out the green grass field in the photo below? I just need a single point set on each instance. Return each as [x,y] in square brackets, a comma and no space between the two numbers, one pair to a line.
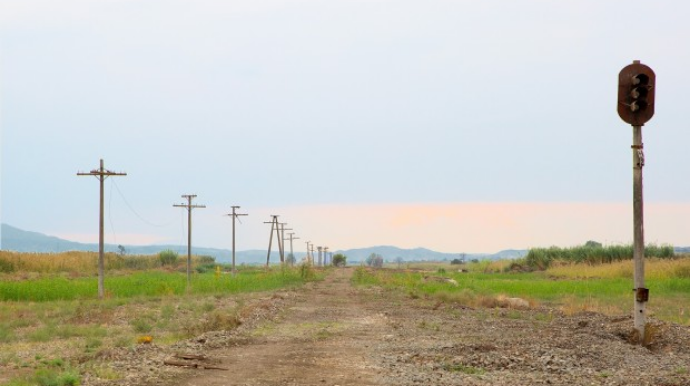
[146,283]
[603,288]
[50,312]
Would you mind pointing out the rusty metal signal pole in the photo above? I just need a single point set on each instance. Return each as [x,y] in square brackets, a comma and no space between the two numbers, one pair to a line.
[636,86]
[189,207]
[101,173]
[234,216]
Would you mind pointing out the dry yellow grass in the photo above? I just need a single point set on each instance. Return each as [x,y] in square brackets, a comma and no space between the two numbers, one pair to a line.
[78,262]
[82,262]
[654,269]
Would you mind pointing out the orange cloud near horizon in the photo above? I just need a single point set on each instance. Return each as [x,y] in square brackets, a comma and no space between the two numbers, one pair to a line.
[486,227]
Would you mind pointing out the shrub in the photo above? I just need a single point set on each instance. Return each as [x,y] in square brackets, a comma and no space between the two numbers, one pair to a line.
[339,260]
[6,266]
[168,257]
[206,260]
[306,272]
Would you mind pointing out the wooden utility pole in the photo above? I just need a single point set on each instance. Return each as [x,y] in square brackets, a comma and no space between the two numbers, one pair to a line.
[189,207]
[320,249]
[101,173]
[275,226]
[325,256]
[234,216]
[282,237]
[308,257]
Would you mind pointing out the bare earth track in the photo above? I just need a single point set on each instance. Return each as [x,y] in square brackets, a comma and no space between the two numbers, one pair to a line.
[330,333]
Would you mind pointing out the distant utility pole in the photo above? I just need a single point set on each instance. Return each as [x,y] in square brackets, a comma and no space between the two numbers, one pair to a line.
[307,257]
[101,173]
[282,237]
[189,207]
[311,253]
[234,216]
[325,256]
[275,226]
[320,249]
[292,237]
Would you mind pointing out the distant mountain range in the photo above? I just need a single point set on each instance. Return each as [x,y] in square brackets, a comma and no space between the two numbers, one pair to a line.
[15,239]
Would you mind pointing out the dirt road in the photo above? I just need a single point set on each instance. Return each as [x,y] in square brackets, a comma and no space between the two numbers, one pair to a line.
[330,333]
[323,338]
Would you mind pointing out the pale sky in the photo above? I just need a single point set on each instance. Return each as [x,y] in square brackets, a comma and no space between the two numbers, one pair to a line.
[460,126]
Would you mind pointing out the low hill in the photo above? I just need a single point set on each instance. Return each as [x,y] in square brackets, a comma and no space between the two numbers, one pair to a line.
[390,253]
[15,239]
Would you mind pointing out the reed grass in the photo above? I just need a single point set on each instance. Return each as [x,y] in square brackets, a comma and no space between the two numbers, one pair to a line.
[542,258]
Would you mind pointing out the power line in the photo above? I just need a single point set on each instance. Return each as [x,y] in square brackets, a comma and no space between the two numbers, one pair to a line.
[137,213]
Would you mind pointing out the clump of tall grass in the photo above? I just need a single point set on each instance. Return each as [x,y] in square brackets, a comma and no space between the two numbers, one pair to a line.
[168,257]
[542,258]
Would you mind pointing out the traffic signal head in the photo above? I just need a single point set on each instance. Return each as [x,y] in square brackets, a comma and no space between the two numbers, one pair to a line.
[636,93]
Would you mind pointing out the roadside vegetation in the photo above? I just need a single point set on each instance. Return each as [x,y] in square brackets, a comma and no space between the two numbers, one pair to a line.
[591,252]
[52,325]
[568,287]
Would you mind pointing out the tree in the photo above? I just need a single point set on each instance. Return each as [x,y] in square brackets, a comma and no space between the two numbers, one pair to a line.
[374,260]
[339,260]
[400,261]
[593,244]
[290,259]
[121,250]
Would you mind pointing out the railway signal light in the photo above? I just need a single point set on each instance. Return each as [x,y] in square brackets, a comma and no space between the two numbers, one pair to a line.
[636,84]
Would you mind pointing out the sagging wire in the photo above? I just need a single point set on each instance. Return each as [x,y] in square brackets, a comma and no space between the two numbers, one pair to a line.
[110,212]
[137,214]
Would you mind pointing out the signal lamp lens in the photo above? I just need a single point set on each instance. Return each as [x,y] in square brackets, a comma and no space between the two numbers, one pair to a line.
[640,79]
[638,105]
